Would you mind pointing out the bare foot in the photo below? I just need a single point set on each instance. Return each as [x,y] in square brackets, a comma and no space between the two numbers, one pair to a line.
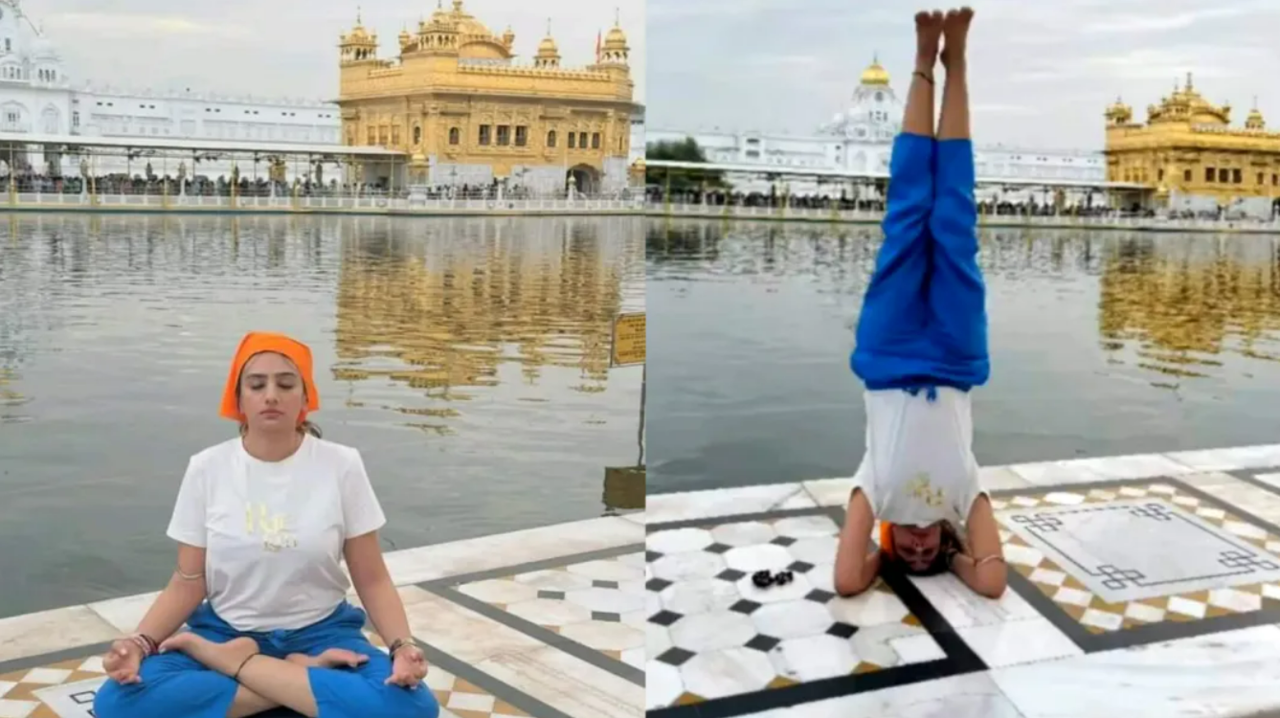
[225,658]
[928,33]
[955,27]
[332,658]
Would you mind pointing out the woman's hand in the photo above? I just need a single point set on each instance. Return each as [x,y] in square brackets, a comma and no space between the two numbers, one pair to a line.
[408,668]
[123,661]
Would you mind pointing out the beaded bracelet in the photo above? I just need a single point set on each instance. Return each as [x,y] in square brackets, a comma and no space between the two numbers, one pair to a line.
[146,643]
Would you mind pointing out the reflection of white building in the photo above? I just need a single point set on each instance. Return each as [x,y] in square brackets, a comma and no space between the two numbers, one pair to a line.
[859,139]
[37,96]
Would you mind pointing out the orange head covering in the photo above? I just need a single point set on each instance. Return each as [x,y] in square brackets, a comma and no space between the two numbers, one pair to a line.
[257,343]
[886,537]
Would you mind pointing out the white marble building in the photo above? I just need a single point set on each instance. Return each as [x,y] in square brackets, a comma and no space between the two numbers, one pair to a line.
[859,139]
[38,96]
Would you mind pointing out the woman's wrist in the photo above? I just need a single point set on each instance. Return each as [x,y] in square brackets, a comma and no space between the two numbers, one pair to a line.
[394,646]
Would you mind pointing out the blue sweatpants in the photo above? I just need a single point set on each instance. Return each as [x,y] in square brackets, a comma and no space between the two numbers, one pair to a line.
[924,322]
[177,686]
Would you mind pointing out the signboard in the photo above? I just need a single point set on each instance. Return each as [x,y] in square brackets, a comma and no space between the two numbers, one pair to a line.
[628,339]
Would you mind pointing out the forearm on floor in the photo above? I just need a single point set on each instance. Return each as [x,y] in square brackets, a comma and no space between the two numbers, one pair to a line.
[855,579]
[987,576]
[172,608]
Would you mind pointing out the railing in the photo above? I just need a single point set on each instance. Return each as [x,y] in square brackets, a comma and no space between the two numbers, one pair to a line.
[810,214]
[362,204]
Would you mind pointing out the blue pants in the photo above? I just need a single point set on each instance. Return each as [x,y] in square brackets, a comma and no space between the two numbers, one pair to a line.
[923,322]
[177,686]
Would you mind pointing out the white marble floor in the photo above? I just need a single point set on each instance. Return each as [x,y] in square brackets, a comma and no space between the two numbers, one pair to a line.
[599,604]
[520,669]
[1039,658]
[713,633]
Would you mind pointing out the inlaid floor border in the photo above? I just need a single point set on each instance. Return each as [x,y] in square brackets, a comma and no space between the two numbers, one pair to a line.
[447,588]
[1138,635]
[960,658]
[1248,476]
[435,657]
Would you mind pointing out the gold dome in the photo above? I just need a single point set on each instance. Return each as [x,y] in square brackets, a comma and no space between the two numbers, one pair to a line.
[1255,121]
[548,46]
[615,36]
[875,74]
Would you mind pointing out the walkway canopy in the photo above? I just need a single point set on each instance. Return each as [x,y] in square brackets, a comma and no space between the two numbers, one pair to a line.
[823,173]
[43,152]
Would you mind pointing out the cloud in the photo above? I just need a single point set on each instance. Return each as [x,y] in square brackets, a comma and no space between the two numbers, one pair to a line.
[1041,72]
[788,62]
[289,47]
[123,25]
[660,13]
[1159,22]
[1003,109]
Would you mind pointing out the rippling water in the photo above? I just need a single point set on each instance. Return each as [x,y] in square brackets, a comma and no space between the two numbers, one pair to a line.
[1102,343]
[467,358]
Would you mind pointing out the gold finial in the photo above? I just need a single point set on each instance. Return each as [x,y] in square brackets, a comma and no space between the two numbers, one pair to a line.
[359,15]
[548,27]
[1188,81]
[617,16]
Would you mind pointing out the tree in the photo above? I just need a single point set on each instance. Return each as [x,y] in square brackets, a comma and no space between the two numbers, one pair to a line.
[686,150]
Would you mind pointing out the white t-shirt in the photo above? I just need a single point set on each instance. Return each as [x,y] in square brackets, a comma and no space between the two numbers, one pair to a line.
[274,531]
[919,465]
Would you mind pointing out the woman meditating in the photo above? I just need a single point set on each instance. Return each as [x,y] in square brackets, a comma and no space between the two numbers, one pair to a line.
[263,523]
[921,347]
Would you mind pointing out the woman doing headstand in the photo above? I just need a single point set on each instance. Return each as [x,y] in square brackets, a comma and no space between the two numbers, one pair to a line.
[922,346]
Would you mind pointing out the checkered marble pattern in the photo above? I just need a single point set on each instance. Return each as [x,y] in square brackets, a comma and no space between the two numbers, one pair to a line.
[66,689]
[460,699]
[599,604]
[1097,615]
[712,633]
[59,690]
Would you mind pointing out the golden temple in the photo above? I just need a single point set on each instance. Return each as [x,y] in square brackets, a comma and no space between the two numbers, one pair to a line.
[455,102]
[1187,147]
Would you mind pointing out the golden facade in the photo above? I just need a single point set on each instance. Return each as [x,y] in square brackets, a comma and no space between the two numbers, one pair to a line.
[445,317]
[455,102]
[1185,308]
[1188,146]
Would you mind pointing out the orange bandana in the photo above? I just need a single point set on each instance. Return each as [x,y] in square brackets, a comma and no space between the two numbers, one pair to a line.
[886,537]
[256,343]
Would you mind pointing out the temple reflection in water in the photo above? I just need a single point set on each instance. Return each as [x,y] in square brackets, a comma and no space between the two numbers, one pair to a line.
[1179,304]
[1175,307]
[444,313]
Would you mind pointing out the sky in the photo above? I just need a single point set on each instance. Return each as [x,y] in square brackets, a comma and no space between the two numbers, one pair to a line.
[1041,72]
[289,47]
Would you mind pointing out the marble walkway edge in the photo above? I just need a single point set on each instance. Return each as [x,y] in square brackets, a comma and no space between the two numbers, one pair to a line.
[83,629]
[669,509]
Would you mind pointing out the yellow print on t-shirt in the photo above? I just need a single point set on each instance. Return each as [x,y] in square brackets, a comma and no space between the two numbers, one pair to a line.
[920,488]
[274,534]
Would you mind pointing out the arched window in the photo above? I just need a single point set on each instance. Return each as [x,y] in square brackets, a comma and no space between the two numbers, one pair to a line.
[454,136]
[417,135]
[551,138]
